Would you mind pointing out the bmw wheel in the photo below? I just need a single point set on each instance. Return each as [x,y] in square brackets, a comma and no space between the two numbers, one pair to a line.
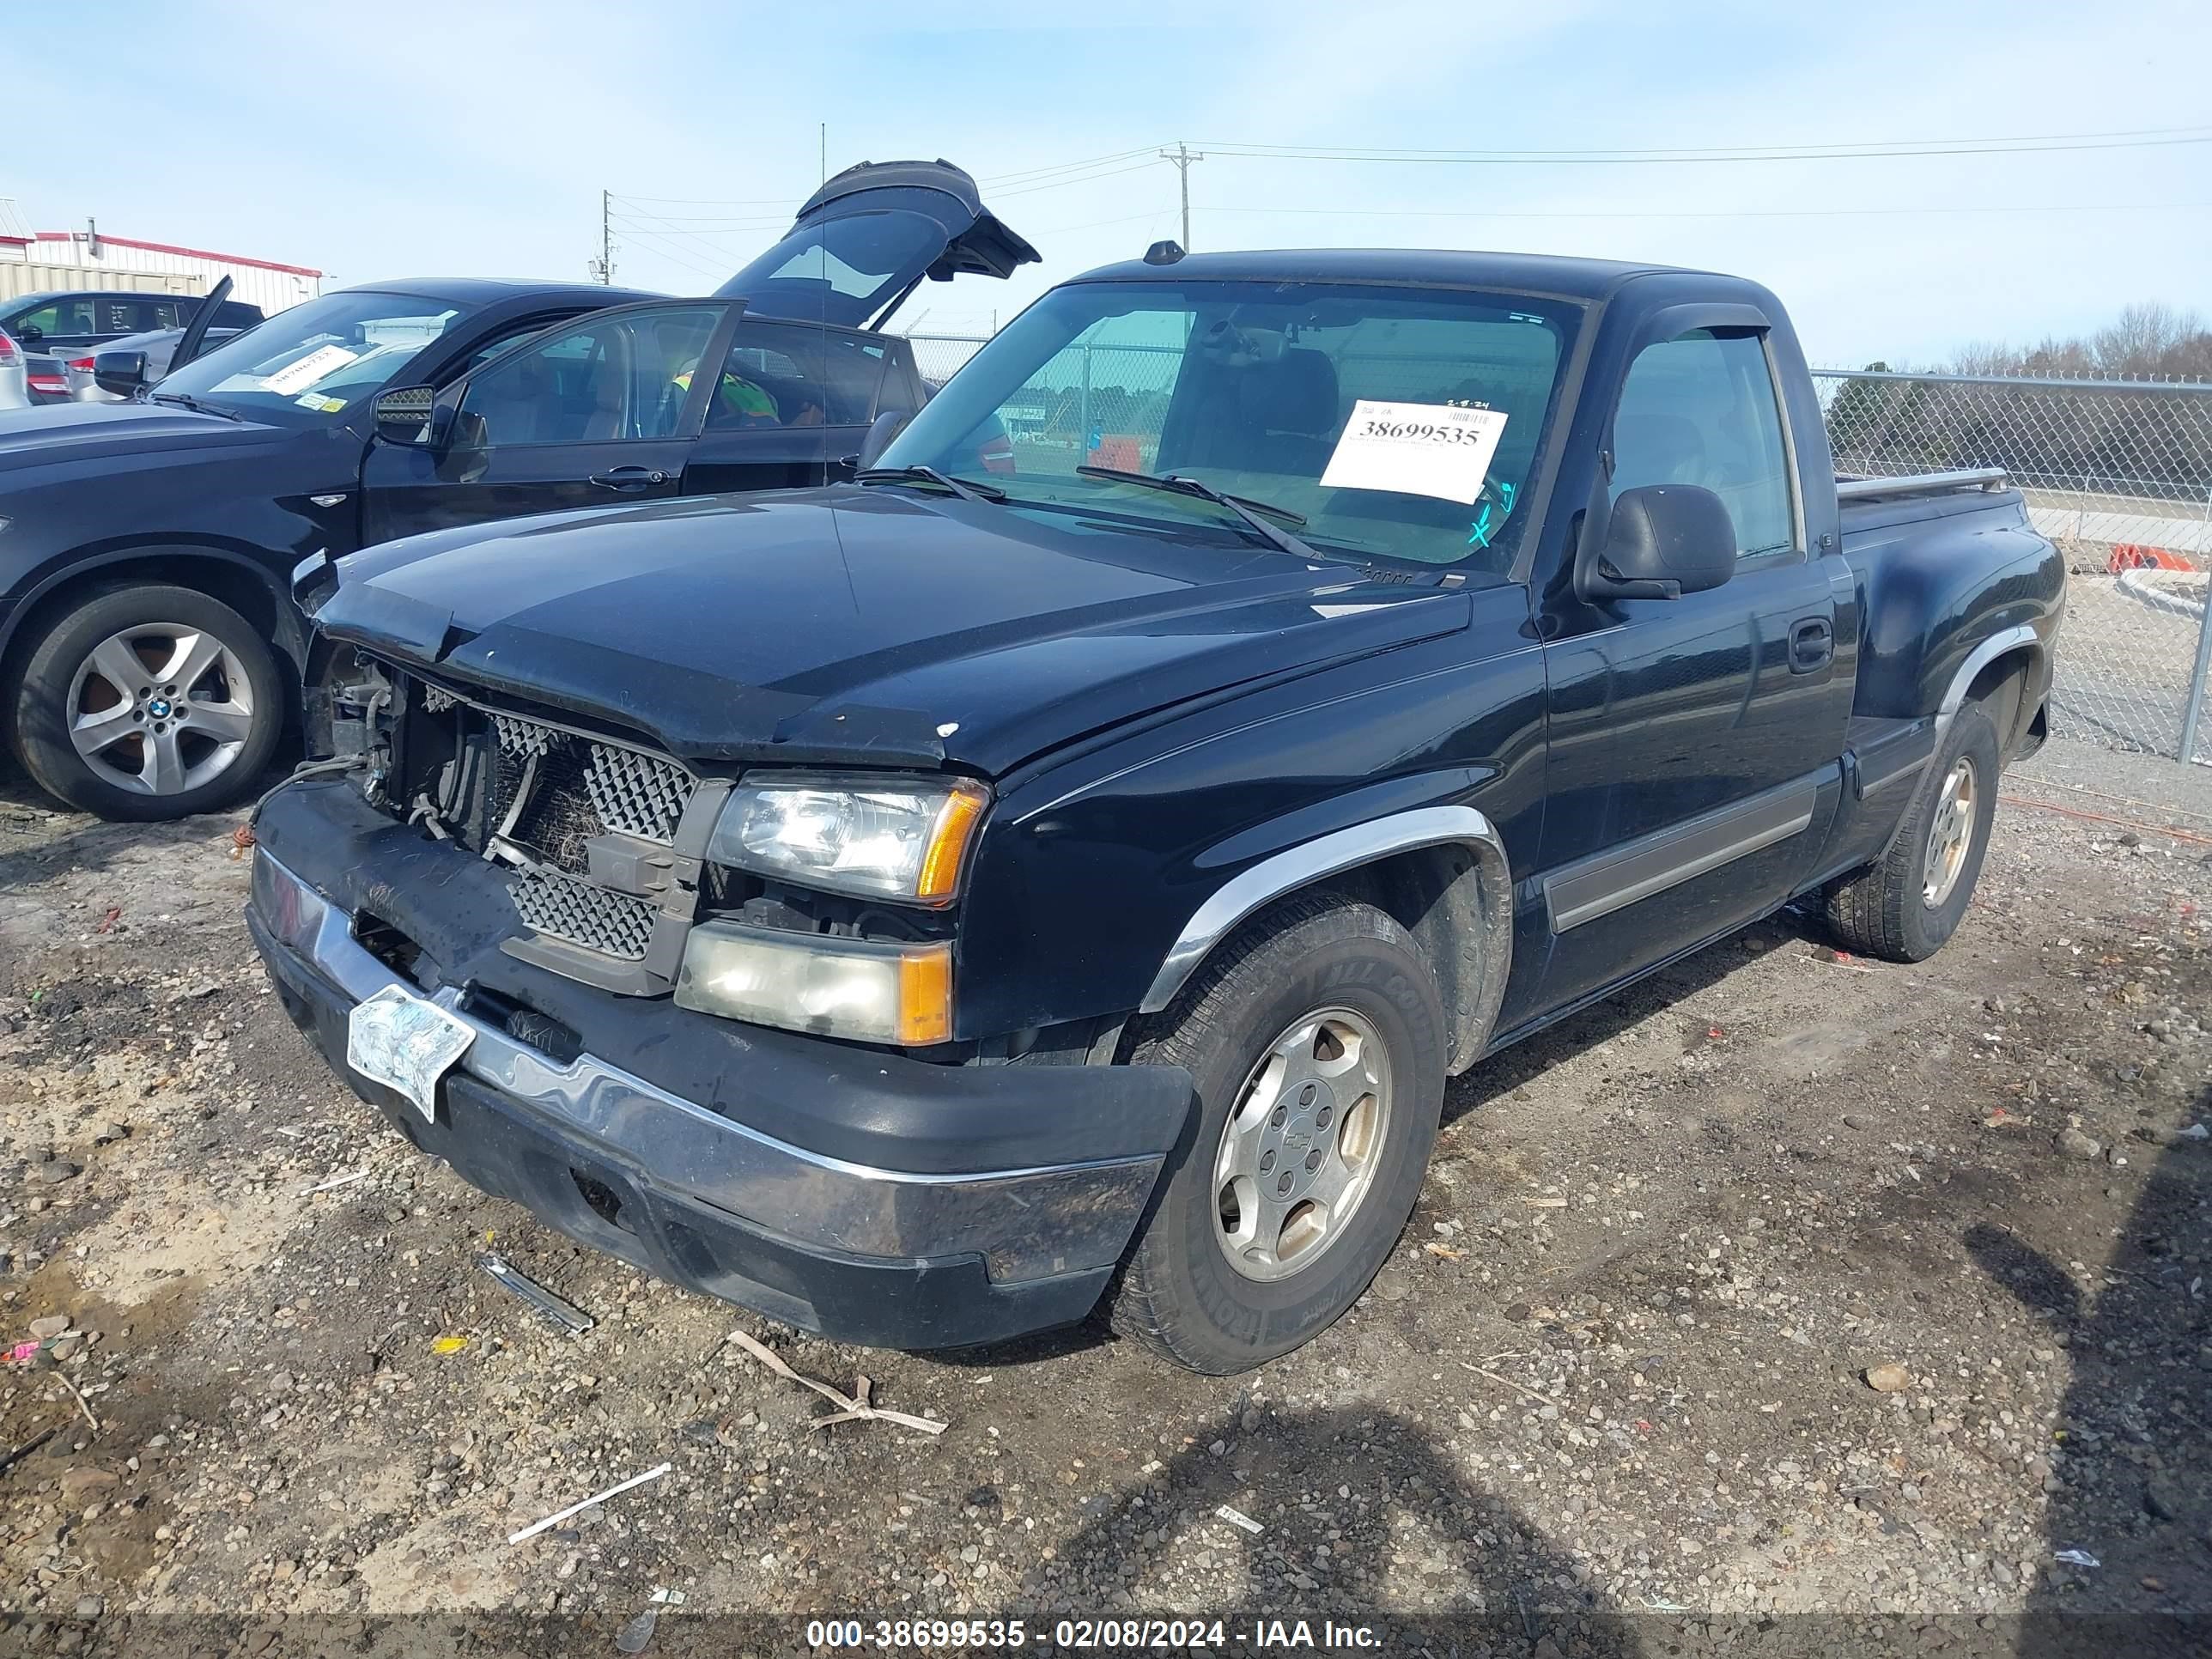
[147,703]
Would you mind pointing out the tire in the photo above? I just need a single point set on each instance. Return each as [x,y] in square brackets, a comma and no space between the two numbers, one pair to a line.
[167,754]
[1896,910]
[1178,1291]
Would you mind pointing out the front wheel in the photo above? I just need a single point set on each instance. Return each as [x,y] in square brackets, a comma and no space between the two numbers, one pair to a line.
[1316,1047]
[148,703]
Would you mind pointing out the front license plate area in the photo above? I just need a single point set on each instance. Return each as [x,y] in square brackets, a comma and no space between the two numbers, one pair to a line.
[405,1043]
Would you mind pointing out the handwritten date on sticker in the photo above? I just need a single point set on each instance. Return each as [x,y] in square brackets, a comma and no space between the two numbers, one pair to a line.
[1439,450]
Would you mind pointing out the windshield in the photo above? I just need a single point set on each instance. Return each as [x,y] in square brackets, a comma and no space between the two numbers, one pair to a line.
[309,365]
[1401,423]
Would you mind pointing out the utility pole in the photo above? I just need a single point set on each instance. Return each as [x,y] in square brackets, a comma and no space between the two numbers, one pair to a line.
[606,237]
[1182,155]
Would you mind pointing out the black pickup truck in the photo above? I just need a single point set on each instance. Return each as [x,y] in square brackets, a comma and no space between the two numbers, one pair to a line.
[1066,862]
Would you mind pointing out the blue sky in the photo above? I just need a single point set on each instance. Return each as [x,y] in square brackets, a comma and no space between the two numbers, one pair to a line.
[474,138]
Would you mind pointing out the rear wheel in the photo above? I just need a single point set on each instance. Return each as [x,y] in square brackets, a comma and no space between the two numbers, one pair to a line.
[146,703]
[1906,908]
[1316,1047]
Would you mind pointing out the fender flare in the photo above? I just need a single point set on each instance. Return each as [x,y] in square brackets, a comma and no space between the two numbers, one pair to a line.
[289,636]
[1997,644]
[1487,946]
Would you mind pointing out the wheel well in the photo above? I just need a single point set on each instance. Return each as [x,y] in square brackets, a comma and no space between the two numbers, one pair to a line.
[2000,688]
[236,586]
[1456,901]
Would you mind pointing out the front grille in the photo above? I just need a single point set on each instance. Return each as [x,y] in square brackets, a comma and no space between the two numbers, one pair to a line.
[613,923]
[636,793]
[546,793]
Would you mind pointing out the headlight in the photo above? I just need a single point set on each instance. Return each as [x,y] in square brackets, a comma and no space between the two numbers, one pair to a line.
[881,838]
[843,987]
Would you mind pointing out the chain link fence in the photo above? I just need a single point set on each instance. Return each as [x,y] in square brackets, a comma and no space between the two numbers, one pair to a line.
[2117,473]
[936,356]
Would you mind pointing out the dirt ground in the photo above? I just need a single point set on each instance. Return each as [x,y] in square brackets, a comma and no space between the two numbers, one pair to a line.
[1610,1396]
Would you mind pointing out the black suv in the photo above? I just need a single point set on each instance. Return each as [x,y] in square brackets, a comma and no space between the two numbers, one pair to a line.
[69,319]
[149,655]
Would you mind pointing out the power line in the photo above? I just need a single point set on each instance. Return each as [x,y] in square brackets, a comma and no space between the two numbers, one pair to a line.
[1760,213]
[1062,184]
[678,257]
[733,220]
[2137,138]
[631,221]
[713,201]
[1020,176]
[1025,174]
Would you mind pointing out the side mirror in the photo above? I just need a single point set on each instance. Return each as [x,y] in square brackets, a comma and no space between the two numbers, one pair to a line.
[403,414]
[887,425]
[29,333]
[1661,541]
[120,373]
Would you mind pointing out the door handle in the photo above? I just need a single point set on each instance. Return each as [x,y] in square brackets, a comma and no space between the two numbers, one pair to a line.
[630,477]
[1812,644]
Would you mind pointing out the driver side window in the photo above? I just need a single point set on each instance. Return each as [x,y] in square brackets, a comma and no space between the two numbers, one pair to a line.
[606,380]
[1701,409]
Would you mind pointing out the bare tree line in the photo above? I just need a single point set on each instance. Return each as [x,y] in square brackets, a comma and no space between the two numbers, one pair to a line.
[2147,342]
[2149,443]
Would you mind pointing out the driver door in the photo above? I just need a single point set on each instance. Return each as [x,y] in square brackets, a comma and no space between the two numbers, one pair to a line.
[1694,741]
[604,410]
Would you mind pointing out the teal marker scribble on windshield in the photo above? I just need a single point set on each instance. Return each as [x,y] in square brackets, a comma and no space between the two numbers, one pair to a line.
[1484,531]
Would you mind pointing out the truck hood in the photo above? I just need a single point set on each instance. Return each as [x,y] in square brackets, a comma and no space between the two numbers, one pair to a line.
[855,625]
[68,432]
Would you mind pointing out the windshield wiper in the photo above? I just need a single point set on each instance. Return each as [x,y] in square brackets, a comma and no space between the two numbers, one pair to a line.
[1250,511]
[195,404]
[966,490]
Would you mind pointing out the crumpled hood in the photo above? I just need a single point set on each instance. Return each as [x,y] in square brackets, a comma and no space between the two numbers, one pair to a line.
[855,625]
[63,434]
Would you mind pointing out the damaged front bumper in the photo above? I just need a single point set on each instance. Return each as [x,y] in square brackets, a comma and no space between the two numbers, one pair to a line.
[866,1196]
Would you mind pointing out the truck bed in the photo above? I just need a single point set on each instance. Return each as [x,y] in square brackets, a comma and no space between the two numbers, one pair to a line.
[1871,506]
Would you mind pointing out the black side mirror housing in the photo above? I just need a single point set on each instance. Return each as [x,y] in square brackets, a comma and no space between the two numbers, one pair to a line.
[1661,541]
[403,415]
[120,373]
[886,426]
[28,333]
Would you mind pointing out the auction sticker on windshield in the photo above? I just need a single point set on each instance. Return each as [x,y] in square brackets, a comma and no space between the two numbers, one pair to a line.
[405,1043]
[1416,449]
[298,376]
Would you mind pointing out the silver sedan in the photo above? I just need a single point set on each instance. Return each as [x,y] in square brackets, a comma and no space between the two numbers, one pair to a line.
[15,390]
[158,345]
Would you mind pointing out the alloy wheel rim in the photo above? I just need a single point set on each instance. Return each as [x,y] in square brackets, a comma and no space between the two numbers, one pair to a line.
[1951,835]
[1299,1154]
[159,709]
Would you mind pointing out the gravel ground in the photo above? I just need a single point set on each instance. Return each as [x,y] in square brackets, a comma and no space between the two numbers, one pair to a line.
[1783,1298]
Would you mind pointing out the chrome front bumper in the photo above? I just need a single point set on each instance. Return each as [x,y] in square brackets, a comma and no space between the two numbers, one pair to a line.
[1026,1223]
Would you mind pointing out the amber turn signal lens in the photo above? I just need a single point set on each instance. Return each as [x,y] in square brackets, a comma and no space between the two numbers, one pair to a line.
[948,844]
[926,996]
